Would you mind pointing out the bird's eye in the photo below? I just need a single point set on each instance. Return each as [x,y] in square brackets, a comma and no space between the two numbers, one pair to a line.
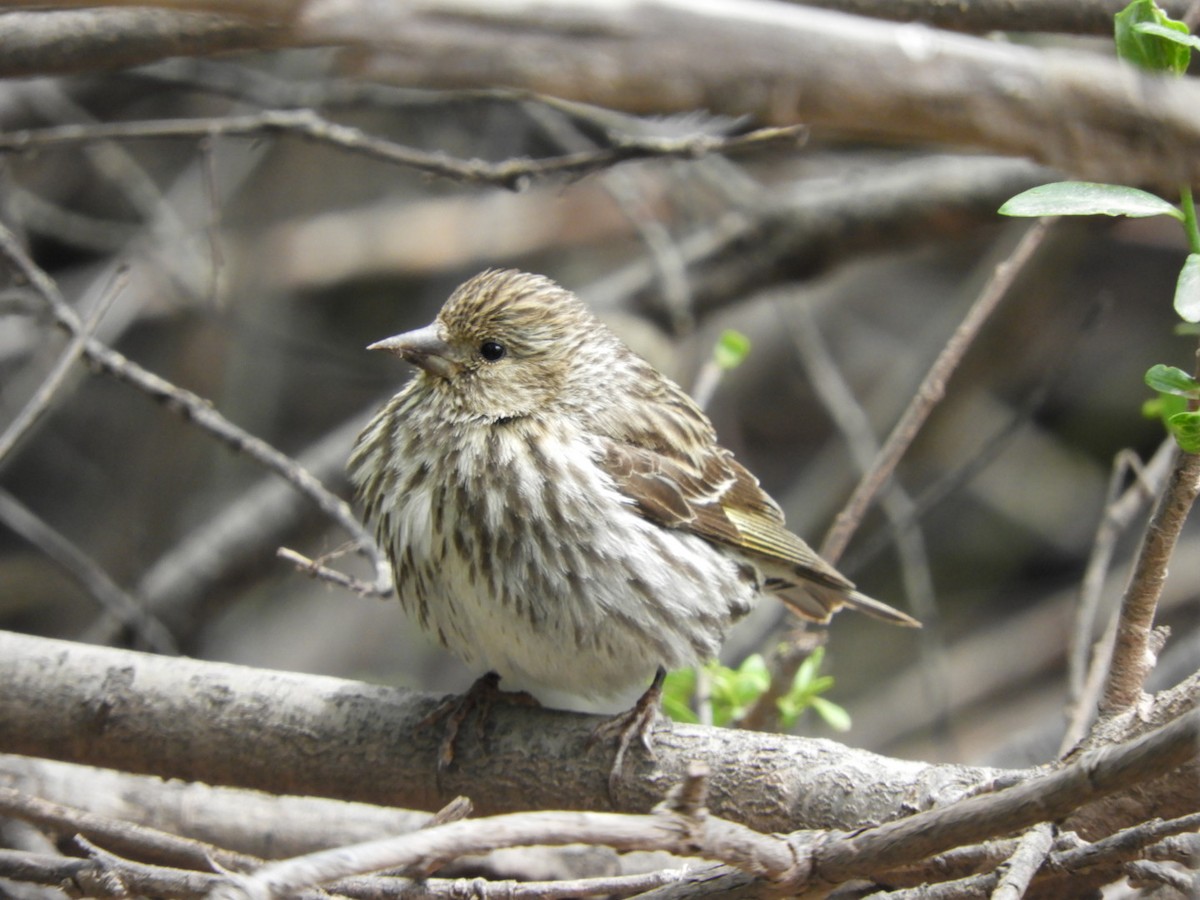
[492,350]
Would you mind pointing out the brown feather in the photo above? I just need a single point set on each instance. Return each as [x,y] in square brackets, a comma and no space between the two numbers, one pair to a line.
[724,503]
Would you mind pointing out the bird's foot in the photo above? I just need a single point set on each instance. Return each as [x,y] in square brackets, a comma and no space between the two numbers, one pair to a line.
[479,698]
[637,723]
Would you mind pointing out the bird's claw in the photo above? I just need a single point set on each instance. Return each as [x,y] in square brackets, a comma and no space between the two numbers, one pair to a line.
[638,723]
[454,711]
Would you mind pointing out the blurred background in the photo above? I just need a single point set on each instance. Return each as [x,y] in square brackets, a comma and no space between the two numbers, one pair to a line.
[254,270]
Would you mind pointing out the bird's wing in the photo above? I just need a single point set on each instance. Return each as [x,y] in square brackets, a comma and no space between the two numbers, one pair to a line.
[719,501]
[669,465]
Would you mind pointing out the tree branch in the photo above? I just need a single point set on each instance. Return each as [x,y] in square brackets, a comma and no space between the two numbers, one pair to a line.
[781,64]
[306,124]
[1133,656]
[184,718]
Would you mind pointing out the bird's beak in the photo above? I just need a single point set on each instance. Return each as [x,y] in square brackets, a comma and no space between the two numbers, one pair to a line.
[423,347]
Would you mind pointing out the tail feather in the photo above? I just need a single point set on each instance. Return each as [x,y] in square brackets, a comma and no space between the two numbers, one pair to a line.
[818,602]
[879,610]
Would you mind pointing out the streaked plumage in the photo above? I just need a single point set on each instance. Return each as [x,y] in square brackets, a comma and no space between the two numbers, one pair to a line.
[562,514]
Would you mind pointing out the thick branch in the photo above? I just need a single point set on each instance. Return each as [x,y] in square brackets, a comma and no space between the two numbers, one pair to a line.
[980,16]
[67,41]
[297,734]
[289,733]
[781,64]
[1089,116]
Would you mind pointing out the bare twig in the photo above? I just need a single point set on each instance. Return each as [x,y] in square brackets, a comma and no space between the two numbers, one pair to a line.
[898,505]
[1102,771]
[1143,872]
[316,568]
[81,567]
[1125,844]
[44,395]
[241,533]
[192,407]
[105,875]
[1031,853]
[1093,774]
[1085,679]
[851,419]
[225,817]
[684,831]
[117,166]
[148,844]
[1133,656]
[307,124]
[1180,848]
[663,252]
[930,392]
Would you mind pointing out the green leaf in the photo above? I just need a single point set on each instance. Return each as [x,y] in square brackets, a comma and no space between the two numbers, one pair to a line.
[678,688]
[835,716]
[1176,33]
[806,686]
[806,672]
[1172,380]
[1085,198]
[1187,289]
[1148,49]
[735,690]
[1186,428]
[731,691]
[731,350]
[1163,407]
[753,675]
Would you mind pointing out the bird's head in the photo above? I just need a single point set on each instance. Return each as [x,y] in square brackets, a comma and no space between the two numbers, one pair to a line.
[502,347]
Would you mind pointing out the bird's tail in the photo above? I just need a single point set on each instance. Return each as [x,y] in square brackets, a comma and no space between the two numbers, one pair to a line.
[818,602]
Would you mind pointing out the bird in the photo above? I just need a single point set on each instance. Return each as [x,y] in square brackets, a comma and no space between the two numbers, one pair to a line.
[560,513]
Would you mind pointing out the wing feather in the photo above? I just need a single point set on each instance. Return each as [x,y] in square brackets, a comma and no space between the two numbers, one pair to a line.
[668,463]
[722,502]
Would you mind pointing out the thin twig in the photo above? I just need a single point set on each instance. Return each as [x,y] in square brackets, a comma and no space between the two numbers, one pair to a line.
[662,248]
[1121,504]
[992,446]
[130,838]
[81,567]
[316,568]
[852,421]
[193,407]
[117,166]
[32,411]
[1134,650]
[1086,678]
[307,124]
[1031,853]
[843,407]
[769,856]
[237,535]
[1152,873]
[930,392]
[105,875]
[1132,656]
[1126,843]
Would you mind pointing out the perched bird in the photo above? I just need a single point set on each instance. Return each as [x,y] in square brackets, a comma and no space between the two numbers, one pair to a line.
[559,512]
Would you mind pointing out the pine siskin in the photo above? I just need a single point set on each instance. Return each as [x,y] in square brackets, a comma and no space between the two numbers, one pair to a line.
[559,512]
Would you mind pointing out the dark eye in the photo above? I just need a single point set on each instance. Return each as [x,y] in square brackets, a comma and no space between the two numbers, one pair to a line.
[492,350]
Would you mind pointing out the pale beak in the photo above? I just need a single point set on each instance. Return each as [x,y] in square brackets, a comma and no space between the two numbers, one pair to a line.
[423,347]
